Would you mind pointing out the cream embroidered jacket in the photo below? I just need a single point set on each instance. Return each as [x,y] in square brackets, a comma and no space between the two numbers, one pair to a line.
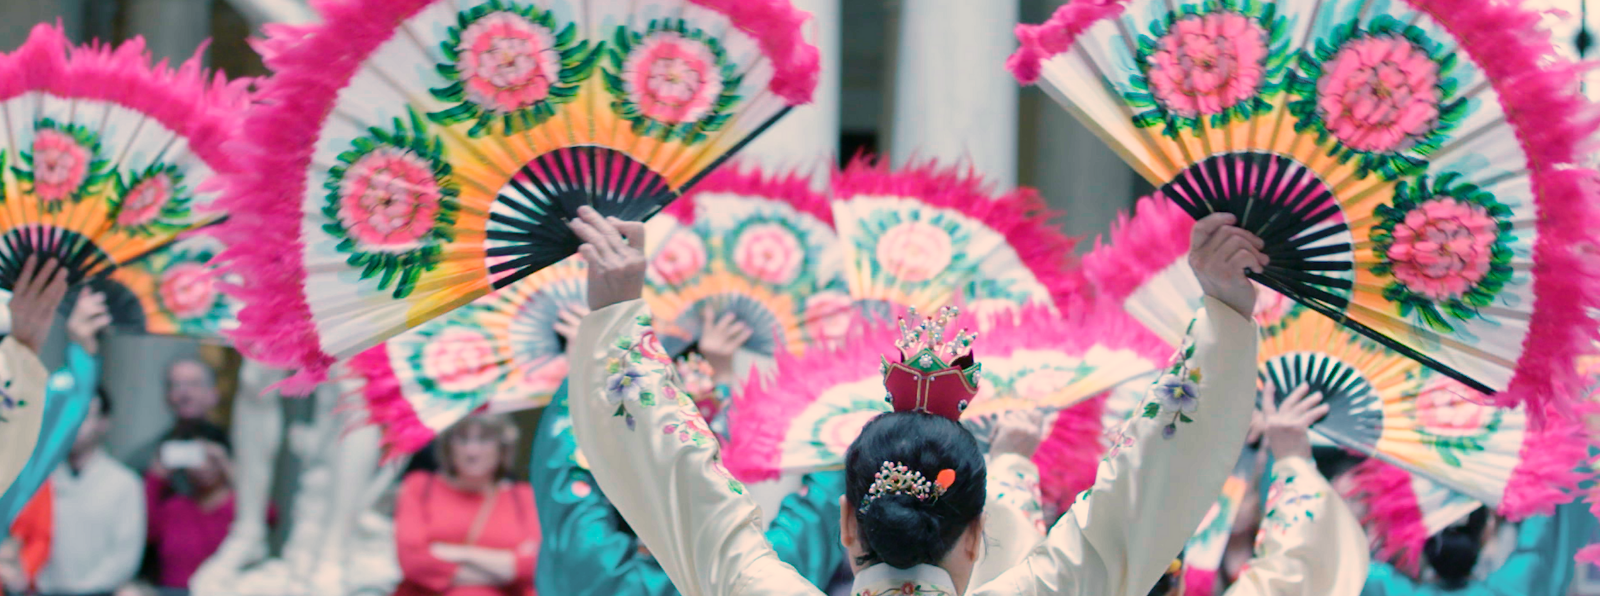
[22,385]
[1309,543]
[653,455]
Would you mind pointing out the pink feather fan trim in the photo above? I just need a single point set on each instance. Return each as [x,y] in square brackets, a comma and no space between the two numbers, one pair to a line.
[1019,215]
[1069,457]
[206,110]
[761,422]
[779,27]
[387,408]
[1042,42]
[312,63]
[742,178]
[1389,512]
[1543,100]
[1199,582]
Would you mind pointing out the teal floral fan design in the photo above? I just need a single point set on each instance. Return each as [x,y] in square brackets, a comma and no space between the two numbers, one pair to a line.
[1417,169]
[1389,407]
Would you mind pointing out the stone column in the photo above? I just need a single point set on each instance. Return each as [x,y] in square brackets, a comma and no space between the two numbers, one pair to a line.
[953,98]
[172,29]
[261,12]
[1074,170]
[807,139]
[17,17]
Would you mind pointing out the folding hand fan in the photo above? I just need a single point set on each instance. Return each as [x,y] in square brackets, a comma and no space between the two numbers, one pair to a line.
[1202,556]
[926,237]
[501,352]
[1406,163]
[106,157]
[807,416]
[1387,406]
[1069,457]
[1144,269]
[1400,510]
[414,155]
[759,246]
[173,290]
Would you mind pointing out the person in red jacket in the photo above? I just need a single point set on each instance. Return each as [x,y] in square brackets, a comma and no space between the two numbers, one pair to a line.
[468,530]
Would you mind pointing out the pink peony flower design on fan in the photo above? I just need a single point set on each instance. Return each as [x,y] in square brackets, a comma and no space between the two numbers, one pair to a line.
[389,200]
[672,79]
[188,290]
[1380,94]
[682,257]
[507,63]
[142,204]
[1446,408]
[1442,249]
[1208,63]
[460,361]
[60,165]
[770,253]
[914,251]
[828,315]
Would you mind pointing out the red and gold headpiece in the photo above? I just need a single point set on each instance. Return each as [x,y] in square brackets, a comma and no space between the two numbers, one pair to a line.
[934,376]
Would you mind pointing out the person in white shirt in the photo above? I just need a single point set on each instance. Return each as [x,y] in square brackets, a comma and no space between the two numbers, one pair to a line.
[913,533]
[97,541]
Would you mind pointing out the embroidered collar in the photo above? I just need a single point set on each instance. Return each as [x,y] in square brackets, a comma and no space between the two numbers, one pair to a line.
[884,580]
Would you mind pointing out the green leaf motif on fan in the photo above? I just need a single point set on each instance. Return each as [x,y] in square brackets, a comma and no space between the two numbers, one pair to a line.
[1382,93]
[186,290]
[1209,64]
[1445,246]
[1454,425]
[459,361]
[390,204]
[672,82]
[771,252]
[509,68]
[64,164]
[152,202]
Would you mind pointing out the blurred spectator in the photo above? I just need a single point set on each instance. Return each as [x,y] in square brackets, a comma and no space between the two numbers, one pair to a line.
[98,516]
[468,530]
[192,395]
[189,489]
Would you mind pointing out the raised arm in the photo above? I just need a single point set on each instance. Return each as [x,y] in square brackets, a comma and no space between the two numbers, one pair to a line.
[646,444]
[1309,543]
[33,304]
[1169,461]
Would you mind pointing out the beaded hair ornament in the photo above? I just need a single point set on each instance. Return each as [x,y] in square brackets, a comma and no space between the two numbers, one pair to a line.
[934,376]
[894,478]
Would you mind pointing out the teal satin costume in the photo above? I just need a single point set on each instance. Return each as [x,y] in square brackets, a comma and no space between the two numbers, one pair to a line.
[1541,565]
[585,552]
[66,404]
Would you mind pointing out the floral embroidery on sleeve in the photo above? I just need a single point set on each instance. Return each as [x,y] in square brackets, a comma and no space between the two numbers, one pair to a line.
[635,374]
[1178,390]
[1019,489]
[1288,503]
[905,589]
[691,428]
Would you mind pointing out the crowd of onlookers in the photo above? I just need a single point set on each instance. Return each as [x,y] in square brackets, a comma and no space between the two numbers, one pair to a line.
[139,524]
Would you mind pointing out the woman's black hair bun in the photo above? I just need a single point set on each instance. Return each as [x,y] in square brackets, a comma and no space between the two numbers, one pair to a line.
[903,531]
